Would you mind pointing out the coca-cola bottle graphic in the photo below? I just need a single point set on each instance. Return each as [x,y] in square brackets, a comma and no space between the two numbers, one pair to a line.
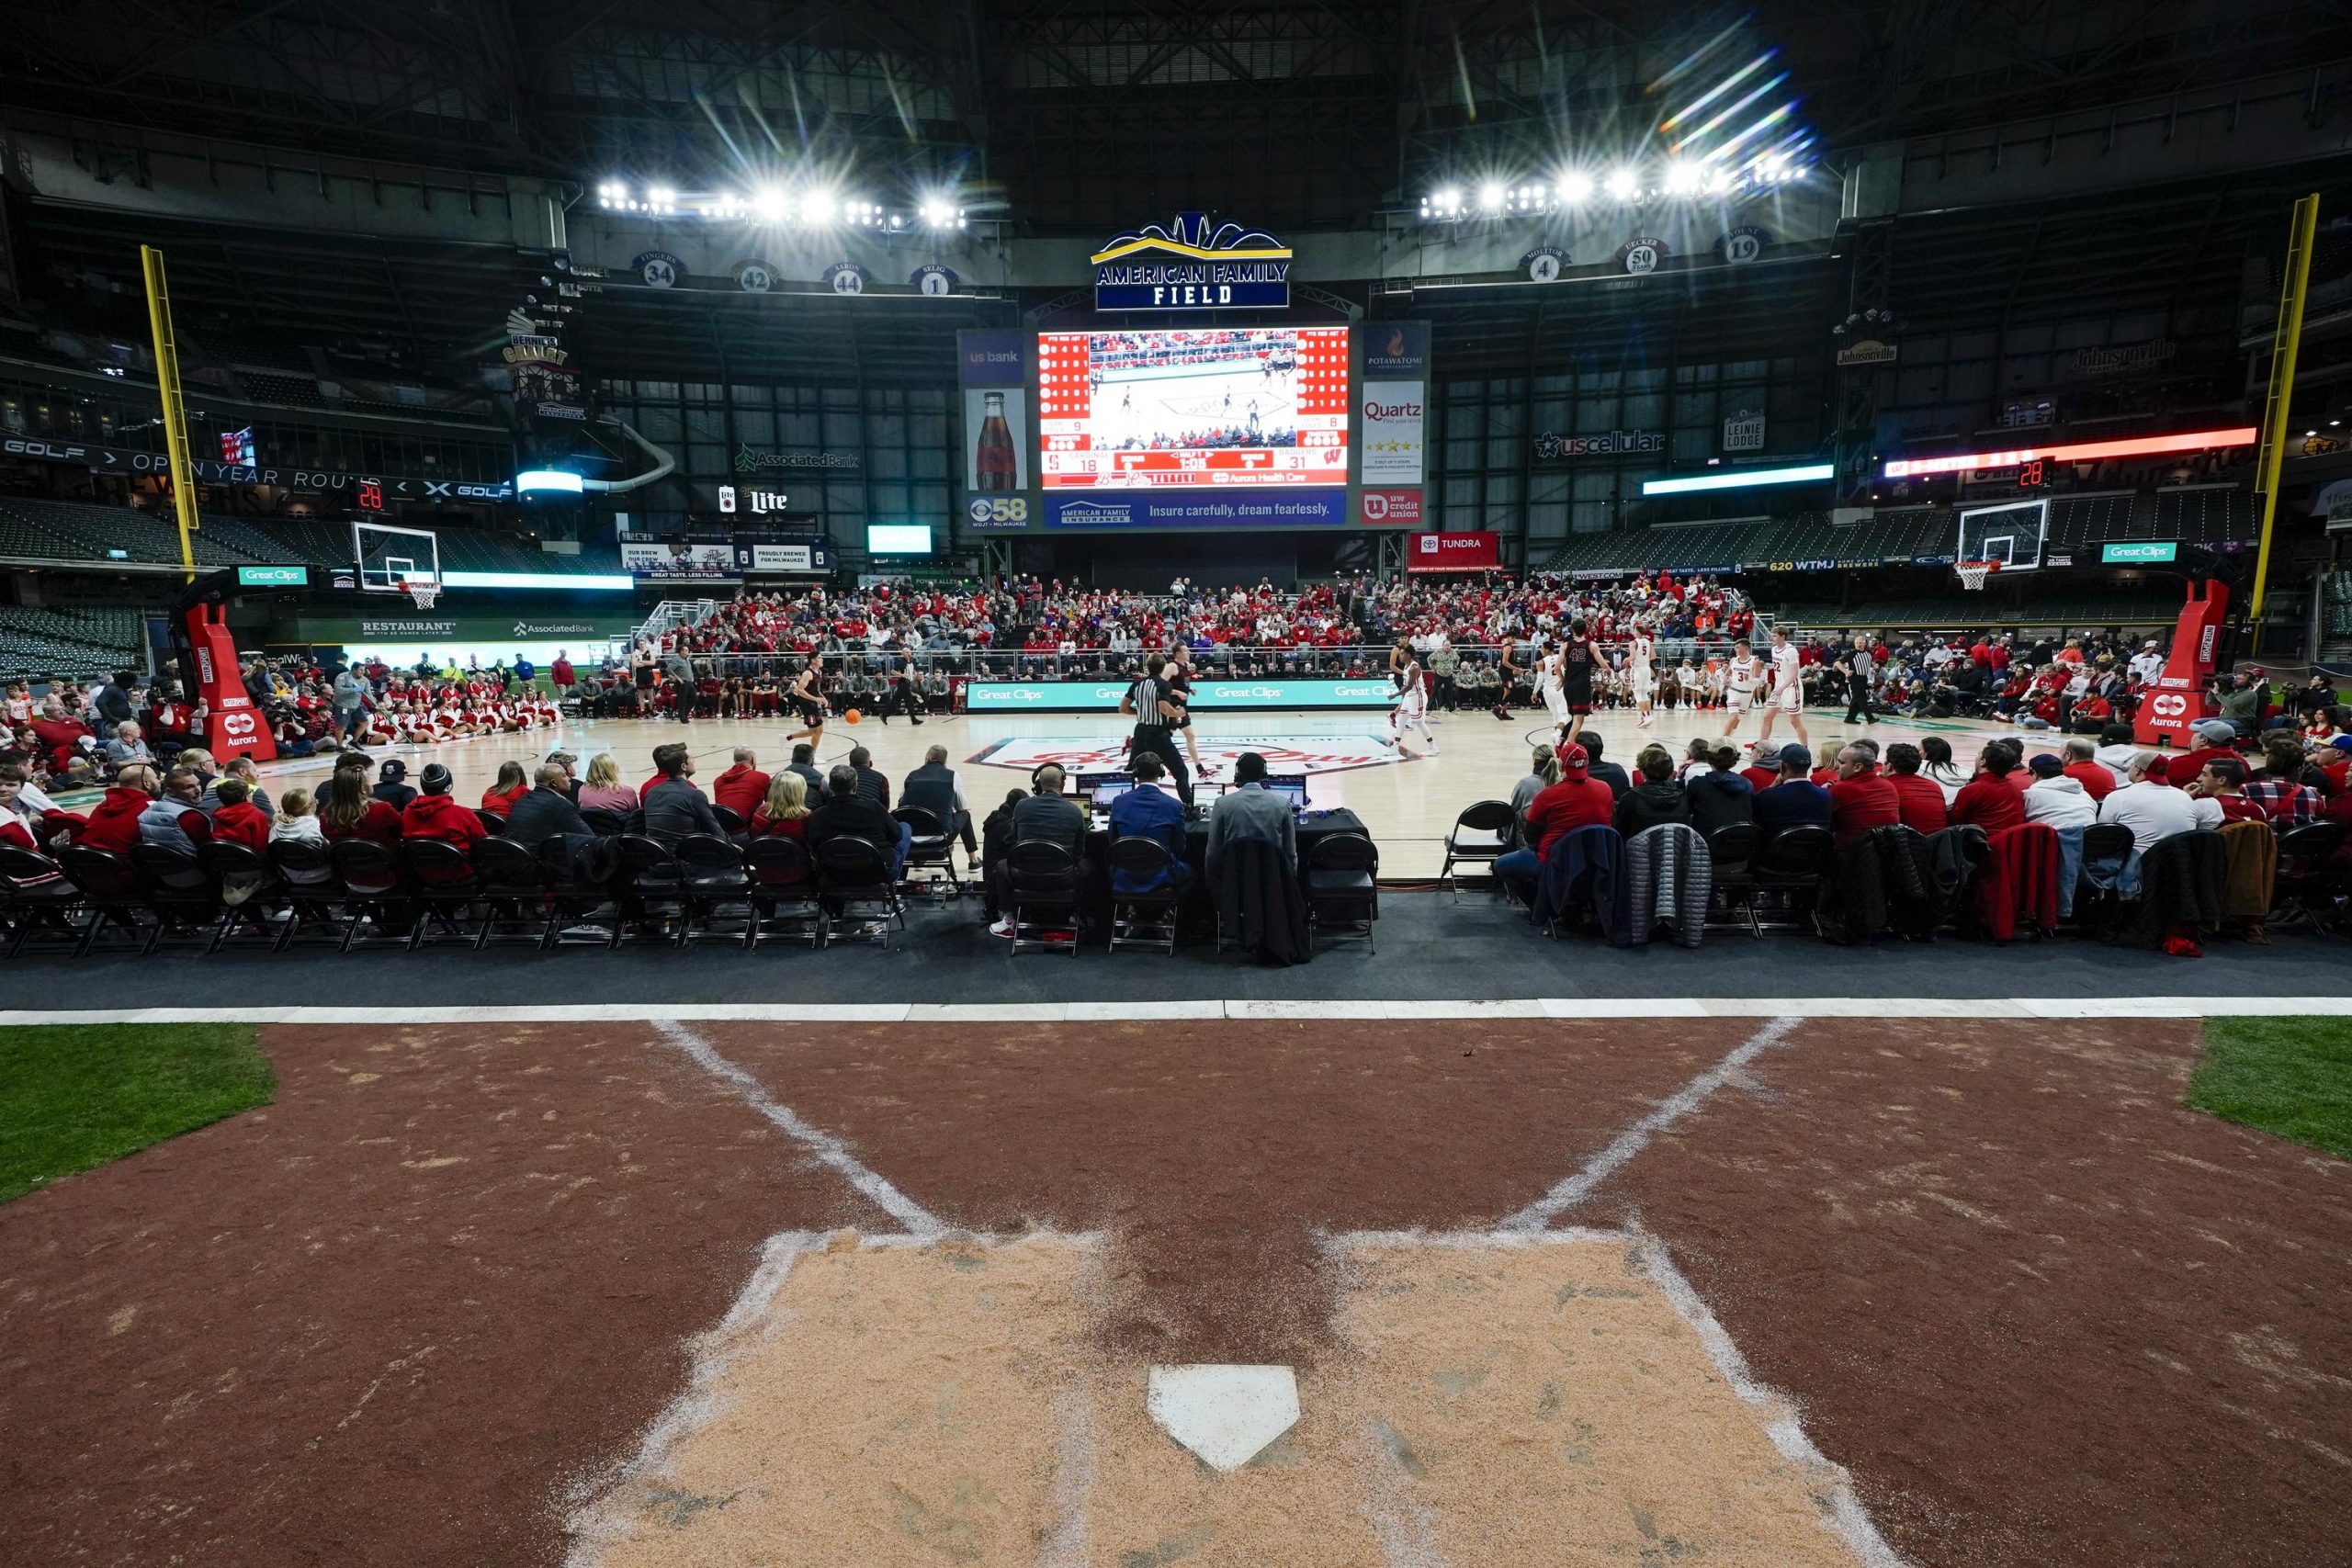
[992,459]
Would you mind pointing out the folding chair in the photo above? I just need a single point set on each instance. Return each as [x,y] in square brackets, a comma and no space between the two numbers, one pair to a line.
[1792,861]
[313,892]
[932,848]
[715,876]
[249,886]
[513,893]
[1733,849]
[580,873]
[1044,896]
[1146,919]
[112,888]
[1341,872]
[184,897]
[853,874]
[447,889]
[375,892]
[1480,833]
[654,890]
[783,892]
[38,897]
[2308,883]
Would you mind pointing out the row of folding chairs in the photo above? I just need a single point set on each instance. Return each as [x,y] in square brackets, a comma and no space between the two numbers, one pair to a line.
[568,890]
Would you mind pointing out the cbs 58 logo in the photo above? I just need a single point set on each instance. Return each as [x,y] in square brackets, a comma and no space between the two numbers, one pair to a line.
[985,511]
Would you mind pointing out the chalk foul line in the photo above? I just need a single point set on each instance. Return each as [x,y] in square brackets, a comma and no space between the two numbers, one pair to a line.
[831,1151]
[1573,1189]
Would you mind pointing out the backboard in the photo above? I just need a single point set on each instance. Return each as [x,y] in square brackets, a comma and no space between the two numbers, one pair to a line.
[2010,534]
[393,560]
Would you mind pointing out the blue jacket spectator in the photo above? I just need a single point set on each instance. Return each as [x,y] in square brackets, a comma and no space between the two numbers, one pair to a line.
[1796,801]
[1148,811]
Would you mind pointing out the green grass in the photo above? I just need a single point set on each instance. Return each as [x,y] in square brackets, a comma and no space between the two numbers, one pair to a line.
[2288,1076]
[74,1097]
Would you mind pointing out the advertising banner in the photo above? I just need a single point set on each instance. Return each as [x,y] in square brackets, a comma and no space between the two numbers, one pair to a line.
[1233,509]
[809,557]
[1397,349]
[1392,432]
[662,560]
[1389,509]
[992,358]
[1454,552]
[583,630]
[1190,266]
[996,441]
[1224,696]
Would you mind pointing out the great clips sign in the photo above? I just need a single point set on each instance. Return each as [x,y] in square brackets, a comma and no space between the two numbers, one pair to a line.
[1454,552]
[1190,265]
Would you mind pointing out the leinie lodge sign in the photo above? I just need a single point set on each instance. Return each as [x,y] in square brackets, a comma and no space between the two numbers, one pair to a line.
[1188,265]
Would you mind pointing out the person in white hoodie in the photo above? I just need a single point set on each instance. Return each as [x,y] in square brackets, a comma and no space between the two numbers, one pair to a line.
[2054,799]
[2117,747]
[296,820]
[2153,811]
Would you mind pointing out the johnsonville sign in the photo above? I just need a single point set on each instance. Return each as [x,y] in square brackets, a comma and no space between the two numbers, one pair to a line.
[1188,265]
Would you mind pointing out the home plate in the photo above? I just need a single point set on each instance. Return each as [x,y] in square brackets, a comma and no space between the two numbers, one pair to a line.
[1226,1415]
[894,1402]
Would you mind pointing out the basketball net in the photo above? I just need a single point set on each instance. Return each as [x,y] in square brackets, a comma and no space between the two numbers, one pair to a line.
[1973,573]
[424,590]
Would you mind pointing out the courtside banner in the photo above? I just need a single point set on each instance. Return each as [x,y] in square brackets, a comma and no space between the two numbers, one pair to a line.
[1200,509]
[1454,552]
[1222,696]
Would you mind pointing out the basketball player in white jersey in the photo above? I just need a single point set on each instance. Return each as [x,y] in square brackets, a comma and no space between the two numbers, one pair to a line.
[1641,674]
[1547,683]
[1788,690]
[1740,680]
[1413,710]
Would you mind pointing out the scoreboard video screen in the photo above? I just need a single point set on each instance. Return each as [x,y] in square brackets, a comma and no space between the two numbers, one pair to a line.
[1193,408]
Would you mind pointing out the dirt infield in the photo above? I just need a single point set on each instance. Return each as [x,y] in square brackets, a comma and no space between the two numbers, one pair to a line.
[431,1303]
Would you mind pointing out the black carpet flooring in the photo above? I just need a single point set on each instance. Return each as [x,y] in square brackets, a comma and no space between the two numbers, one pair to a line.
[1429,947]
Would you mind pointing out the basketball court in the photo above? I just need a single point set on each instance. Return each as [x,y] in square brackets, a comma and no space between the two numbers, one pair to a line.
[1409,804]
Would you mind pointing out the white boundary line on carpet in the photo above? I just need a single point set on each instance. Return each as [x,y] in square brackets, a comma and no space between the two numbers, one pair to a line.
[831,1151]
[1570,1190]
[1565,1009]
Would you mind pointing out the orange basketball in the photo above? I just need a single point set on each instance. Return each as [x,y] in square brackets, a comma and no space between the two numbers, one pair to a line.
[850,717]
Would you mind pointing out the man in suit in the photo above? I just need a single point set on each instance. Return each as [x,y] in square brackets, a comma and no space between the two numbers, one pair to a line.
[547,810]
[1250,810]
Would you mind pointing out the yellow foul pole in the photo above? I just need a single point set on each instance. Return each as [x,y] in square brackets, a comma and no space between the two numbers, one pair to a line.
[167,382]
[2285,339]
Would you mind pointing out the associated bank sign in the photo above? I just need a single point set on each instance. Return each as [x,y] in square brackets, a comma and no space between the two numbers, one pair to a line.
[1190,267]
[1105,696]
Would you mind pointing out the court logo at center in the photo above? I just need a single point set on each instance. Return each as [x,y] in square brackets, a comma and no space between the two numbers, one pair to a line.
[1284,753]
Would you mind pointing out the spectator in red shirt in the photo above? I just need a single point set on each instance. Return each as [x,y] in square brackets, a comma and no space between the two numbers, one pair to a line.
[433,815]
[1860,800]
[2216,738]
[1763,770]
[500,798]
[350,812]
[1918,800]
[238,821]
[2220,781]
[742,787]
[1991,800]
[1578,800]
[113,824]
[2084,767]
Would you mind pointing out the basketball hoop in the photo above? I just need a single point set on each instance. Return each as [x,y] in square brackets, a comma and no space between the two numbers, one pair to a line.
[424,590]
[1973,573]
